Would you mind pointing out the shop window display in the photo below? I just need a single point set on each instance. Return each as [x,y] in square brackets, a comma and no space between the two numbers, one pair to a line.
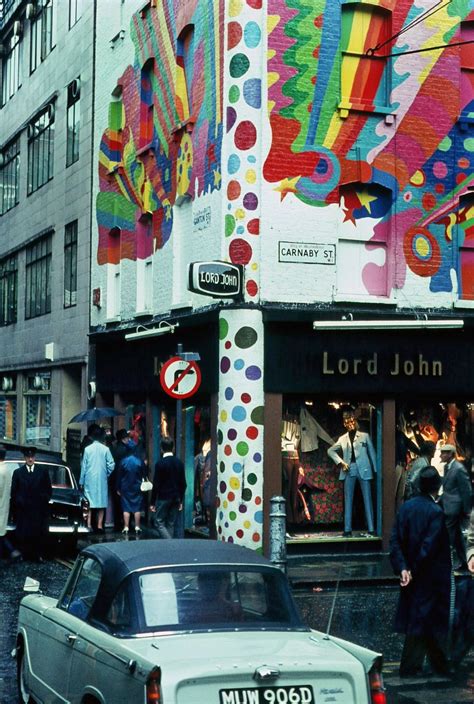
[311,478]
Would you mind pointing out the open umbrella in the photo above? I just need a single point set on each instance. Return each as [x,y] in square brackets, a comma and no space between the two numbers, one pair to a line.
[95,414]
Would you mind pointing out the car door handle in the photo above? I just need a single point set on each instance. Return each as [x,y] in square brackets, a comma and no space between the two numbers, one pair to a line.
[71,638]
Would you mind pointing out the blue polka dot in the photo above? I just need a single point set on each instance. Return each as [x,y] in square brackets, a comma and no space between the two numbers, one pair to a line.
[229,393]
[239,364]
[251,159]
[237,467]
[252,35]
[252,92]
[240,230]
[258,516]
[239,413]
[233,164]
[257,457]
[221,515]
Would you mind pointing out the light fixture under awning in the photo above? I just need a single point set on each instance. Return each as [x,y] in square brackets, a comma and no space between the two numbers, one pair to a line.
[441,324]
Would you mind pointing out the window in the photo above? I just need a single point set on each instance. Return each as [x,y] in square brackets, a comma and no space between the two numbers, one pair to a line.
[146,105]
[11,68]
[144,285]
[184,74]
[81,590]
[41,149]
[10,176]
[465,233]
[38,278]
[8,406]
[75,11]
[364,79]
[113,274]
[38,409]
[70,265]
[467,69]
[8,290]
[73,121]
[41,33]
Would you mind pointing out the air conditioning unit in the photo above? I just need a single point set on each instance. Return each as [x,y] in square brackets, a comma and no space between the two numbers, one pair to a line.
[7,383]
[91,390]
[17,29]
[51,111]
[75,88]
[37,382]
[30,10]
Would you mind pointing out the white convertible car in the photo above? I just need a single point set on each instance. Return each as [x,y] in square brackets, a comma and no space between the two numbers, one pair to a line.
[182,622]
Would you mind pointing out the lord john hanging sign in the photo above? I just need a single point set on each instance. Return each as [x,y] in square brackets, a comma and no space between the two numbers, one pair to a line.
[216,279]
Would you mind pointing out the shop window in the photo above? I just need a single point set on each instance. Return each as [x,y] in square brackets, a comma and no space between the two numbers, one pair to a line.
[10,176]
[73,121]
[8,290]
[11,68]
[364,76]
[465,233]
[70,264]
[41,33]
[41,149]
[75,12]
[113,274]
[184,74]
[362,250]
[38,278]
[38,409]
[8,408]
[146,104]
[467,69]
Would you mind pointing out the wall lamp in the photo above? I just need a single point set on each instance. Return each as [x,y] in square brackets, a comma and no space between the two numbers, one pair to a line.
[350,324]
[141,332]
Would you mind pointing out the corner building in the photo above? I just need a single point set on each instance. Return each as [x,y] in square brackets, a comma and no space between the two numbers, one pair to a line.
[327,148]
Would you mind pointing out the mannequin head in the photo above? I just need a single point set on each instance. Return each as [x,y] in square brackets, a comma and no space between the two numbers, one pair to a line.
[349,420]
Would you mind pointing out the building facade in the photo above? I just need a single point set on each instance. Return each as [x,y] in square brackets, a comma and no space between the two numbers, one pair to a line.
[46,128]
[326,148]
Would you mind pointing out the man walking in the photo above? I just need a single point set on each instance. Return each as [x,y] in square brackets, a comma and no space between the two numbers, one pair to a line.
[5,490]
[420,554]
[427,452]
[30,494]
[97,464]
[456,503]
[169,486]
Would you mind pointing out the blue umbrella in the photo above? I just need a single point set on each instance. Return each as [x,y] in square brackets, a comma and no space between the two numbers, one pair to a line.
[95,414]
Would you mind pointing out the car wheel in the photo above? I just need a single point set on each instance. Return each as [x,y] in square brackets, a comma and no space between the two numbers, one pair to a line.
[23,690]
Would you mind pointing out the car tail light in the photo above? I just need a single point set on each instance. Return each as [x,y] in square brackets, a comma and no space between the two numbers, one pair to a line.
[85,509]
[377,689]
[153,687]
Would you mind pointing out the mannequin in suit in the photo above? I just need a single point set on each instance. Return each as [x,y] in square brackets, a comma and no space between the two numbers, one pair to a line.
[357,463]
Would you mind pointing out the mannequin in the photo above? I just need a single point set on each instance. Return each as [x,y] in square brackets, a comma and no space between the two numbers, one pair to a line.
[358,463]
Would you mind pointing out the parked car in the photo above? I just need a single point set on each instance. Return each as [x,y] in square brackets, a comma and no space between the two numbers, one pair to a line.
[68,507]
[177,621]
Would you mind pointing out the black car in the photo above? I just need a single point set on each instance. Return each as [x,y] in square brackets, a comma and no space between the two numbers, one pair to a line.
[68,506]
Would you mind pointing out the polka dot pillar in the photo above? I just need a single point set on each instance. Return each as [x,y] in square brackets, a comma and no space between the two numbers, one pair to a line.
[240,428]
[242,148]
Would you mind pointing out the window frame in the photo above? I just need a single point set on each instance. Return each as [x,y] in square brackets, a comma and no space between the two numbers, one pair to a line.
[70,263]
[73,121]
[12,65]
[40,149]
[10,169]
[75,12]
[38,259]
[9,290]
[41,34]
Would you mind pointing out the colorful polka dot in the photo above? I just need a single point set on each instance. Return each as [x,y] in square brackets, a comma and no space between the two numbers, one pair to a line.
[245,135]
[239,414]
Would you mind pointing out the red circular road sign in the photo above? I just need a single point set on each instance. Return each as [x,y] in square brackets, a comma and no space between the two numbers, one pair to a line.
[179,378]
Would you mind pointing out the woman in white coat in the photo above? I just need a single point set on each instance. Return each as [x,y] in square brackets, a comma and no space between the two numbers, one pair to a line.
[5,491]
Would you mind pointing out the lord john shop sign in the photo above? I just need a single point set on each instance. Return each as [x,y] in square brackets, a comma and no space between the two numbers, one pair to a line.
[361,362]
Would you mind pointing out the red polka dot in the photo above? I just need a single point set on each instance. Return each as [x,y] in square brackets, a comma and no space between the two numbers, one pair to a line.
[460,178]
[245,135]
[439,188]
[252,288]
[218,502]
[227,450]
[252,432]
[253,226]
[233,190]
[255,4]
[463,162]
[228,345]
[258,500]
[234,34]
[240,533]
[246,398]
[256,537]
[219,530]
[231,496]
[428,201]
[240,251]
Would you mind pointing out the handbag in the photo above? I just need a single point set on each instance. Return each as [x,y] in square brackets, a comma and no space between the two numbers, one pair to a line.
[146,485]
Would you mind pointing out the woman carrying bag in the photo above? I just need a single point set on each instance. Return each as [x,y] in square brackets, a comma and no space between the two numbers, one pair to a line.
[132,485]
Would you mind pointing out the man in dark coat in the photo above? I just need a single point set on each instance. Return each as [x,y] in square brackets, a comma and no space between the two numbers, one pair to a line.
[169,486]
[30,494]
[456,503]
[420,554]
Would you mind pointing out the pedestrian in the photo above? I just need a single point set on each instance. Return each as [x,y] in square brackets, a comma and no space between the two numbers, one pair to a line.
[132,473]
[169,486]
[427,452]
[456,503]
[30,494]
[470,543]
[6,548]
[420,554]
[97,464]
[119,451]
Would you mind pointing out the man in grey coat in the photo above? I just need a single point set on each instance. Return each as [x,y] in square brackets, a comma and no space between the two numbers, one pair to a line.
[456,503]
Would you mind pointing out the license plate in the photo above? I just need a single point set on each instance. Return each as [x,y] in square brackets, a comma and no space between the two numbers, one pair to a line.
[302,694]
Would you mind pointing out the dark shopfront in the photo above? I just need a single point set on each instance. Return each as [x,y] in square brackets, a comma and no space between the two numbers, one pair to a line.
[404,387]
[127,377]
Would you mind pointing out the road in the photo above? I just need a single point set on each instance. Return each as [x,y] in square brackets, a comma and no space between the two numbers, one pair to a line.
[363,615]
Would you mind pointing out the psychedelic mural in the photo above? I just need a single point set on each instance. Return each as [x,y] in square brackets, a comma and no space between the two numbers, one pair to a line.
[388,138]
[164,134]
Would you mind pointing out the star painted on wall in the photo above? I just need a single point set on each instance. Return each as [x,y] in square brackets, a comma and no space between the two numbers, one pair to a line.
[365,199]
[287,185]
[217,177]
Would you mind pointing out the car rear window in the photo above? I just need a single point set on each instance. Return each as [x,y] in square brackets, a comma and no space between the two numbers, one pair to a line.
[222,598]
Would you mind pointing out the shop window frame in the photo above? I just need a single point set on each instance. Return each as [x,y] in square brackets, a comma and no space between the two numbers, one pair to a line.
[37,385]
[9,395]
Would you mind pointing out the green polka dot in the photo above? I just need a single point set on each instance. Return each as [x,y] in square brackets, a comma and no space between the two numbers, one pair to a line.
[469,144]
[223,328]
[220,437]
[246,337]
[229,225]
[234,94]
[247,495]
[252,478]
[232,515]
[445,144]
[239,65]
[257,415]
[242,448]
[222,466]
